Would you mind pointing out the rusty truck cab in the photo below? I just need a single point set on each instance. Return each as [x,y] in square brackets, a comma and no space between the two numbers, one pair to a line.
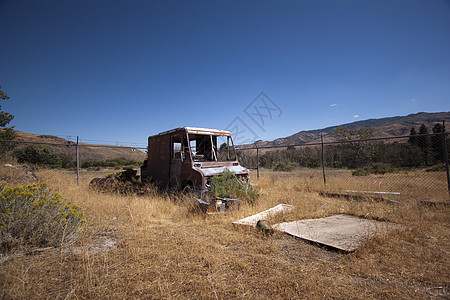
[187,158]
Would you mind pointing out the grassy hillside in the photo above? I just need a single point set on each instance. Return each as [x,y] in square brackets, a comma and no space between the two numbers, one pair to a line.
[86,151]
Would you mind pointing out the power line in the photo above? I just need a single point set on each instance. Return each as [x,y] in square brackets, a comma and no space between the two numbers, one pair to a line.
[71,144]
[117,143]
[73,138]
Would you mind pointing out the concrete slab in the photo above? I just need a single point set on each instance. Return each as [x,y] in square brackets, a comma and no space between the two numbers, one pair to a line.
[252,220]
[343,232]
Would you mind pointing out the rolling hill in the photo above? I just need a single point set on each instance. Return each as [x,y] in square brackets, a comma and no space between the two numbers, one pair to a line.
[86,151]
[384,128]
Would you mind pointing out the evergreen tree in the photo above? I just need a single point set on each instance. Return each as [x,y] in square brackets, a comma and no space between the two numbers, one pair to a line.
[437,142]
[423,141]
[412,136]
[6,132]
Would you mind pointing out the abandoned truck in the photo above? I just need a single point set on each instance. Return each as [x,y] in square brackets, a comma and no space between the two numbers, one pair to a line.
[185,159]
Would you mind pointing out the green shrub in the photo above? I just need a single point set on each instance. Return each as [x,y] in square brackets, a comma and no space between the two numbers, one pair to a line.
[374,168]
[228,185]
[38,155]
[437,168]
[284,167]
[34,216]
[360,172]
[127,175]
[112,175]
[44,156]
[67,161]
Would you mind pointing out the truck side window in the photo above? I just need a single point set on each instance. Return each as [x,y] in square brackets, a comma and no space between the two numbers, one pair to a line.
[176,148]
[193,145]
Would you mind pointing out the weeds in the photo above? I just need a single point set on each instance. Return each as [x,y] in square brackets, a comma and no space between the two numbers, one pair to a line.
[228,185]
[162,252]
[127,175]
[374,168]
[285,167]
[35,216]
[437,168]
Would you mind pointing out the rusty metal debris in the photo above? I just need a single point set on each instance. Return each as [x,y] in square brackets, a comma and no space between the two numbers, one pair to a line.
[217,205]
[434,203]
[356,197]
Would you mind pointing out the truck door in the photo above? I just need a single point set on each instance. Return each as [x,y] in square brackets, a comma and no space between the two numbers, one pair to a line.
[176,161]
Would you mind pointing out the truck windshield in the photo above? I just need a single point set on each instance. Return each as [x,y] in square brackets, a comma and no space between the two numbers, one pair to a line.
[211,147]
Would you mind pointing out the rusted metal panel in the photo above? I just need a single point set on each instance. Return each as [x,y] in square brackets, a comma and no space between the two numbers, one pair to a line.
[218,205]
[158,163]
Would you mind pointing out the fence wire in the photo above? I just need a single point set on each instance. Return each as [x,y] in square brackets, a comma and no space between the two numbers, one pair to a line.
[396,167]
[407,166]
[72,160]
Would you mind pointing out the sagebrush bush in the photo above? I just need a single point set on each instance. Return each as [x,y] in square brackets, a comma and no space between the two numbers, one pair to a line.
[127,175]
[437,168]
[228,185]
[284,167]
[35,216]
[374,168]
[44,156]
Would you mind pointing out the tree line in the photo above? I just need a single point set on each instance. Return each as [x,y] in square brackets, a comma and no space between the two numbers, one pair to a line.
[45,156]
[420,150]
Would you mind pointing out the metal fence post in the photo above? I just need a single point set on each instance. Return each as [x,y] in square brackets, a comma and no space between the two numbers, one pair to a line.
[257,161]
[444,137]
[78,164]
[323,161]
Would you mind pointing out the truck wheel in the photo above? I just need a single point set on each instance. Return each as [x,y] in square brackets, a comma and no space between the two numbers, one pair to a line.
[187,189]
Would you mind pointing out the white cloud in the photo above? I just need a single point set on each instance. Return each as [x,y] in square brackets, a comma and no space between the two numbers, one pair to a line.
[413,99]
[334,104]
[356,116]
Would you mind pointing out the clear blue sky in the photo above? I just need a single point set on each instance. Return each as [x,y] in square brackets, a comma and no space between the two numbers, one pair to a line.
[123,70]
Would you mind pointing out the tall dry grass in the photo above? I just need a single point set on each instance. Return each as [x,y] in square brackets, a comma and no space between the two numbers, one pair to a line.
[153,246]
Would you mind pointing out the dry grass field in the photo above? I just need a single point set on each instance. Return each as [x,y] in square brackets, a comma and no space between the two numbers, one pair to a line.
[153,246]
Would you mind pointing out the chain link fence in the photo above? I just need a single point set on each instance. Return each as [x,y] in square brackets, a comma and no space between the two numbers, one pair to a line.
[74,161]
[396,168]
[414,166]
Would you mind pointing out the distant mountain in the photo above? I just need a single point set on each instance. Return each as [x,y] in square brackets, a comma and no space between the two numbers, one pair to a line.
[384,127]
[86,151]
